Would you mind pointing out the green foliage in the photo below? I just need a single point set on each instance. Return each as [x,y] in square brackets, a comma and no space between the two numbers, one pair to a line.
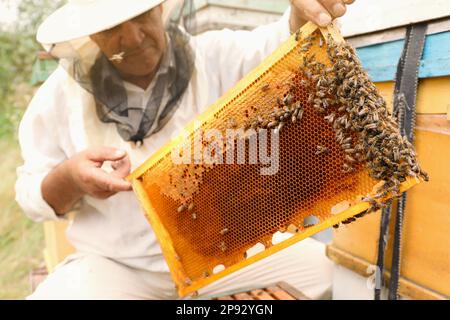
[21,240]
[18,49]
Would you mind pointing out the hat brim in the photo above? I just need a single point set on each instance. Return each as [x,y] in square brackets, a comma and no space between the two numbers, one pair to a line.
[81,19]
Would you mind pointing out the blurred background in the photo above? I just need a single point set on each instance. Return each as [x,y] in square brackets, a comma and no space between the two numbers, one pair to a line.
[21,240]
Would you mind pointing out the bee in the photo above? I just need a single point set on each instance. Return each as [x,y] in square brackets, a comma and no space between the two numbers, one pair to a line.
[363,111]
[396,154]
[287,109]
[182,208]
[330,117]
[350,159]
[388,162]
[348,124]
[280,102]
[347,168]
[318,108]
[272,124]
[232,123]
[205,274]
[310,38]
[342,120]
[298,35]
[335,226]
[306,226]
[259,119]
[371,126]
[363,91]
[292,229]
[279,113]
[321,94]
[224,231]
[369,199]
[191,207]
[305,47]
[381,194]
[424,175]
[287,101]
[322,150]
[349,151]
[265,87]
[327,102]
[375,117]
[223,246]
[194,216]
[291,86]
[254,124]
[300,114]
[304,83]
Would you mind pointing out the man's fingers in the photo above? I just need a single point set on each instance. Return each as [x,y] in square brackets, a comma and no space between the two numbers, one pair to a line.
[121,168]
[103,194]
[336,8]
[102,154]
[313,11]
[321,12]
[109,182]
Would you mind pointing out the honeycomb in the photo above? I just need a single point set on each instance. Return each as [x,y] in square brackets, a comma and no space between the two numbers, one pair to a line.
[208,214]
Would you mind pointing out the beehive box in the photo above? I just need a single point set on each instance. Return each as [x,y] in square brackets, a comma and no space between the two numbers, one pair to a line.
[425,255]
[331,129]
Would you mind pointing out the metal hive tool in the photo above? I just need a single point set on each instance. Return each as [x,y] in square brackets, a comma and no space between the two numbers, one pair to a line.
[340,157]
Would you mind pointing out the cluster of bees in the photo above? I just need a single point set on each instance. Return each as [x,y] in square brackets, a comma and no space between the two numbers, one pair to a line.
[368,134]
[286,111]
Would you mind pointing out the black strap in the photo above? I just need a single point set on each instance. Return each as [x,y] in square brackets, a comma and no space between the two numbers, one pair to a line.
[408,79]
[405,95]
[382,242]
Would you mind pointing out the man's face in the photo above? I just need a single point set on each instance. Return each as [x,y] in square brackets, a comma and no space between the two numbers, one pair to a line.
[142,39]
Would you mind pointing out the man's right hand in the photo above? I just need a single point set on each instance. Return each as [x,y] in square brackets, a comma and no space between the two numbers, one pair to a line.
[82,175]
[86,173]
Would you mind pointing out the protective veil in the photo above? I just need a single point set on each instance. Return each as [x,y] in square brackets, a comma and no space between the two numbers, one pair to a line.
[93,71]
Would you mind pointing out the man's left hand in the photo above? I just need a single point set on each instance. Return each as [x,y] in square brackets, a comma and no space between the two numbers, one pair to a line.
[321,12]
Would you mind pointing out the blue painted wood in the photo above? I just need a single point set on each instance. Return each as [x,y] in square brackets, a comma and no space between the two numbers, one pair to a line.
[381,60]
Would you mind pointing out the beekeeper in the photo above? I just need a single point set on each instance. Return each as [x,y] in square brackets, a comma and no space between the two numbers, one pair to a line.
[129,79]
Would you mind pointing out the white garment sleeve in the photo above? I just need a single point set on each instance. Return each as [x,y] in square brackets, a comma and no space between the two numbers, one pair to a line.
[230,55]
[39,134]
